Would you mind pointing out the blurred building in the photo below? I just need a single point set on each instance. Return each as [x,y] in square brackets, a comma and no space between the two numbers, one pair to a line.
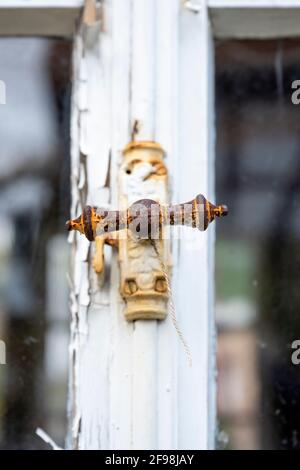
[34,202]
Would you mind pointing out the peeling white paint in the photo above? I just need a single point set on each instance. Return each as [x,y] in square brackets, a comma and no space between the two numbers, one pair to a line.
[90,133]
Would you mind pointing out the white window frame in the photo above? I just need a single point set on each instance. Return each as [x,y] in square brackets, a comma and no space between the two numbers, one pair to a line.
[131,384]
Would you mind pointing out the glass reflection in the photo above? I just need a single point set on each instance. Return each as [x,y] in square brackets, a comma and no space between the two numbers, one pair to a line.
[34,202]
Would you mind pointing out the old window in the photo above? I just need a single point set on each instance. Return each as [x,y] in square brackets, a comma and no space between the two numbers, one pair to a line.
[168,85]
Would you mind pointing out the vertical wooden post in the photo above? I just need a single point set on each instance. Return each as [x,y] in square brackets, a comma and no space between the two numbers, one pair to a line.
[130,383]
[196,388]
[143,86]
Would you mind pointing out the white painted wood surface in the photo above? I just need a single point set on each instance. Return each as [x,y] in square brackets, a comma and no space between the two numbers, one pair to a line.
[90,296]
[145,359]
[39,17]
[230,18]
[121,367]
[166,133]
[131,386]
[193,289]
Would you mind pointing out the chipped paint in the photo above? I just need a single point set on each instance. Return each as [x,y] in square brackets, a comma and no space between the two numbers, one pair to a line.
[129,386]
[90,165]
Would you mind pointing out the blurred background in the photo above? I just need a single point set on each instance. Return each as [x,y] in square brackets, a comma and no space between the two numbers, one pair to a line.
[34,204]
[257,245]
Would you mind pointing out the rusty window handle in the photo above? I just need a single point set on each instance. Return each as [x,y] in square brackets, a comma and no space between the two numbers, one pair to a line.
[147,217]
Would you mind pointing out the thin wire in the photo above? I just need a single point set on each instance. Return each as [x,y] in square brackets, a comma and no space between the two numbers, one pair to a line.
[171,304]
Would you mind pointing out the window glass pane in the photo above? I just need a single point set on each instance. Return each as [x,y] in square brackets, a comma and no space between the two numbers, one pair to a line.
[34,203]
[258,244]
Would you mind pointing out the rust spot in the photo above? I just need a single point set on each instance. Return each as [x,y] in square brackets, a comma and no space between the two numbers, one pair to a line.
[160,284]
[147,217]
[130,287]
[135,129]
[87,222]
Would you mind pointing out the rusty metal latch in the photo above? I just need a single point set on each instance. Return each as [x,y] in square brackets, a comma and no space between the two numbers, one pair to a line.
[139,221]
[148,214]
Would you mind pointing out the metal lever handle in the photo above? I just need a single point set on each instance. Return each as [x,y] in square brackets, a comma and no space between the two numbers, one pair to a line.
[146,217]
